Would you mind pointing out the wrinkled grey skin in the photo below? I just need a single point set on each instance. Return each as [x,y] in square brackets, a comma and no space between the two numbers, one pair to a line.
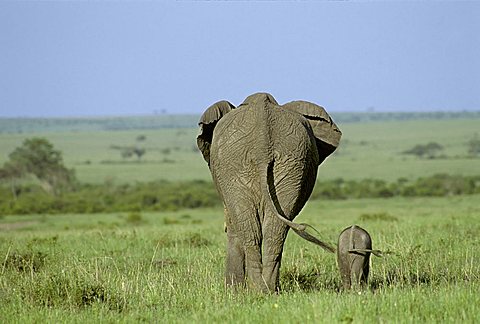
[353,256]
[264,158]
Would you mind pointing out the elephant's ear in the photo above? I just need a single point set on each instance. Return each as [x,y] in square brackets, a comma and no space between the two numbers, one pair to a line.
[324,129]
[207,123]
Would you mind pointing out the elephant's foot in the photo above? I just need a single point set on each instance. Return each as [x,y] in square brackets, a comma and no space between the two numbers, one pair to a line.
[271,275]
[255,281]
[253,263]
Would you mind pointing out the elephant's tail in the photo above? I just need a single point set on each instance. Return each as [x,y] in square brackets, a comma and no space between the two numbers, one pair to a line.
[353,249]
[377,253]
[299,228]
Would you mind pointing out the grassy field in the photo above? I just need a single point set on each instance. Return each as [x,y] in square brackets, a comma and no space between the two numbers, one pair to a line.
[168,267]
[367,150]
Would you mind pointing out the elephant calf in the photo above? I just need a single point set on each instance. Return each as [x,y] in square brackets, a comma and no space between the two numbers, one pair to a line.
[353,256]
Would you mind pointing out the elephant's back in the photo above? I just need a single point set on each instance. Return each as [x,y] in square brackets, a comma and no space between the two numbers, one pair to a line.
[237,149]
[295,161]
[237,139]
[233,140]
[292,136]
[232,155]
[354,237]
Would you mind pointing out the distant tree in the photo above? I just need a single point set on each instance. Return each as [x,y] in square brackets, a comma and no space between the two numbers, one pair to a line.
[132,150]
[11,173]
[139,152]
[126,152]
[429,150]
[166,151]
[474,146]
[38,157]
[129,151]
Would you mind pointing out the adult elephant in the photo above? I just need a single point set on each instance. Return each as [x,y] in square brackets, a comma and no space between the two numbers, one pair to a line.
[264,159]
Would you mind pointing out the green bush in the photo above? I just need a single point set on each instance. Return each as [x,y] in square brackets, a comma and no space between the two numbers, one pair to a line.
[166,196]
[437,185]
[88,198]
[134,218]
[25,262]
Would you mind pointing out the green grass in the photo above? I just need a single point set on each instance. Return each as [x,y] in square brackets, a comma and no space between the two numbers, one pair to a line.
[168,267]
[373,150]
[367,150]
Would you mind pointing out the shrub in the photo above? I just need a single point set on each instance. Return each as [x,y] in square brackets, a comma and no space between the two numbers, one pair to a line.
[196,240]
[134,218]
[474,146]
[166,196]
[430,150]
[307,280]
[25,262]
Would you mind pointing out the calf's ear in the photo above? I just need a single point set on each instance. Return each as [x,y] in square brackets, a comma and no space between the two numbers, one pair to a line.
[326,133]
[207,124]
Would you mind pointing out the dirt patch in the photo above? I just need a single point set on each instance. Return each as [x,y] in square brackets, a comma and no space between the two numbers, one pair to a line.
[15,225]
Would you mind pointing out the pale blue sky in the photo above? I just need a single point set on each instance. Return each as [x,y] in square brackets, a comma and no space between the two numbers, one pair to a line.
[129,58]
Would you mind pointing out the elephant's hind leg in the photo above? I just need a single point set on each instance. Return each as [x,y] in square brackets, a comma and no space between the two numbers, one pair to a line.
[274,234]
[359,270]
[244,259]
[235,267]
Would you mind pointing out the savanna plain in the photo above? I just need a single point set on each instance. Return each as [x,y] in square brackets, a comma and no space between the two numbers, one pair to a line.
[167,266]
